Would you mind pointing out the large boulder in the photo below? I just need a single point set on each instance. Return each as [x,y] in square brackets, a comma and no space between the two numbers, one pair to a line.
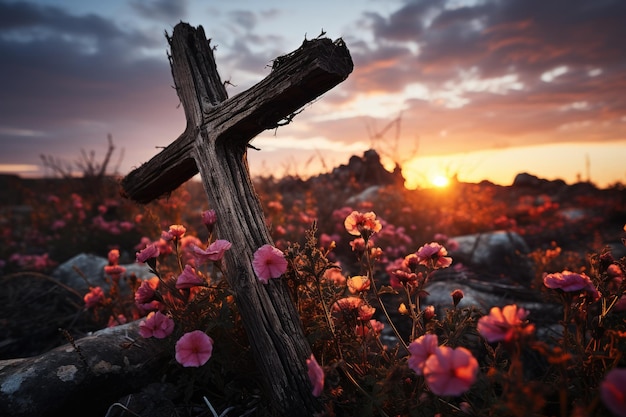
[492,269]
[65,381]
[86,270]
[367,170]
[499,255]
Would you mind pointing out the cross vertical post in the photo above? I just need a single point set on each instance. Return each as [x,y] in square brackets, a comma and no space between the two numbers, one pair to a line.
[215,143]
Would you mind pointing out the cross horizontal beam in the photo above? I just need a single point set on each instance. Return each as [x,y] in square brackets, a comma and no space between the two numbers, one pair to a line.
[295,80]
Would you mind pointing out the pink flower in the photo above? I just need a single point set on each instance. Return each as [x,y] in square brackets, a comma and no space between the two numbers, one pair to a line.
[116,321]
[614,271]
[567,281]
[328,241]
[188,242]
[450,371]
[275,205]
[114,256]
[269,262]
[457,295]
[58,224]
[150,251]
[421,349]
[429,312]
[114,271]
[194,349]
[188,278]
[316,375]
[335,276]
[163,245]
[126,226]
[362,224]
[400,279]
[358,245]
[209,218]
[143,243]
[504,325]
[621,304]
[571,282]
[177,230]
[366,312]
[433,255]
[363,330]
[157,325]
[145,292]
[358,283]
[347,304]
[410,262]
[214,252]
[94,297]
[613,391]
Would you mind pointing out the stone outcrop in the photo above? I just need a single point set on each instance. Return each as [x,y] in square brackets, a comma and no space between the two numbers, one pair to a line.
[366,171]
[67,381]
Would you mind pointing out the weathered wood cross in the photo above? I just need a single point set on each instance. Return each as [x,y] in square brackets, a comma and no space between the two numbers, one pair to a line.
[215,143]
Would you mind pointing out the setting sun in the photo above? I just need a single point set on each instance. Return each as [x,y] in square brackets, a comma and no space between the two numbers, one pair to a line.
[440,181]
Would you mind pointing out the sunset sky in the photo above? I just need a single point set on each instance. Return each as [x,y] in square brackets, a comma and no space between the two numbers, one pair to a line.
[481,89]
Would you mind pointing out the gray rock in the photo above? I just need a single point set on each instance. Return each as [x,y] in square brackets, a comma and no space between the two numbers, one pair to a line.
[367,195]
[495,255]
[92,267]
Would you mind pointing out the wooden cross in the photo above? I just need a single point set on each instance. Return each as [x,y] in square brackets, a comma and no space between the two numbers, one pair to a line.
[215,143]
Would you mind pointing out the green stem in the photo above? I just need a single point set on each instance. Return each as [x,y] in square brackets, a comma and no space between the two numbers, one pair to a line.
[370,275]
[360,388]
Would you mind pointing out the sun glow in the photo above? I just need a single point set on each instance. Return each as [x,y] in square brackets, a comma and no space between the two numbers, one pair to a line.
[440,181]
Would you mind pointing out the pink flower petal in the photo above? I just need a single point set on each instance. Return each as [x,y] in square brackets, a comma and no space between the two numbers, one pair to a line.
[214,252]
[188,278]
[316,376]
[157,325]
[421,349]
[613,391]
[450,371]
[194,349]
[269,262]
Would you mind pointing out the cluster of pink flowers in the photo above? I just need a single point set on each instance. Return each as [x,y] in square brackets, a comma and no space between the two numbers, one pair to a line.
[114,227]
[156,325]
[369,328]
[114,269]
[36,262]
[94,297]
[352,308]
[403,272]
[447,371]
[194,348]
